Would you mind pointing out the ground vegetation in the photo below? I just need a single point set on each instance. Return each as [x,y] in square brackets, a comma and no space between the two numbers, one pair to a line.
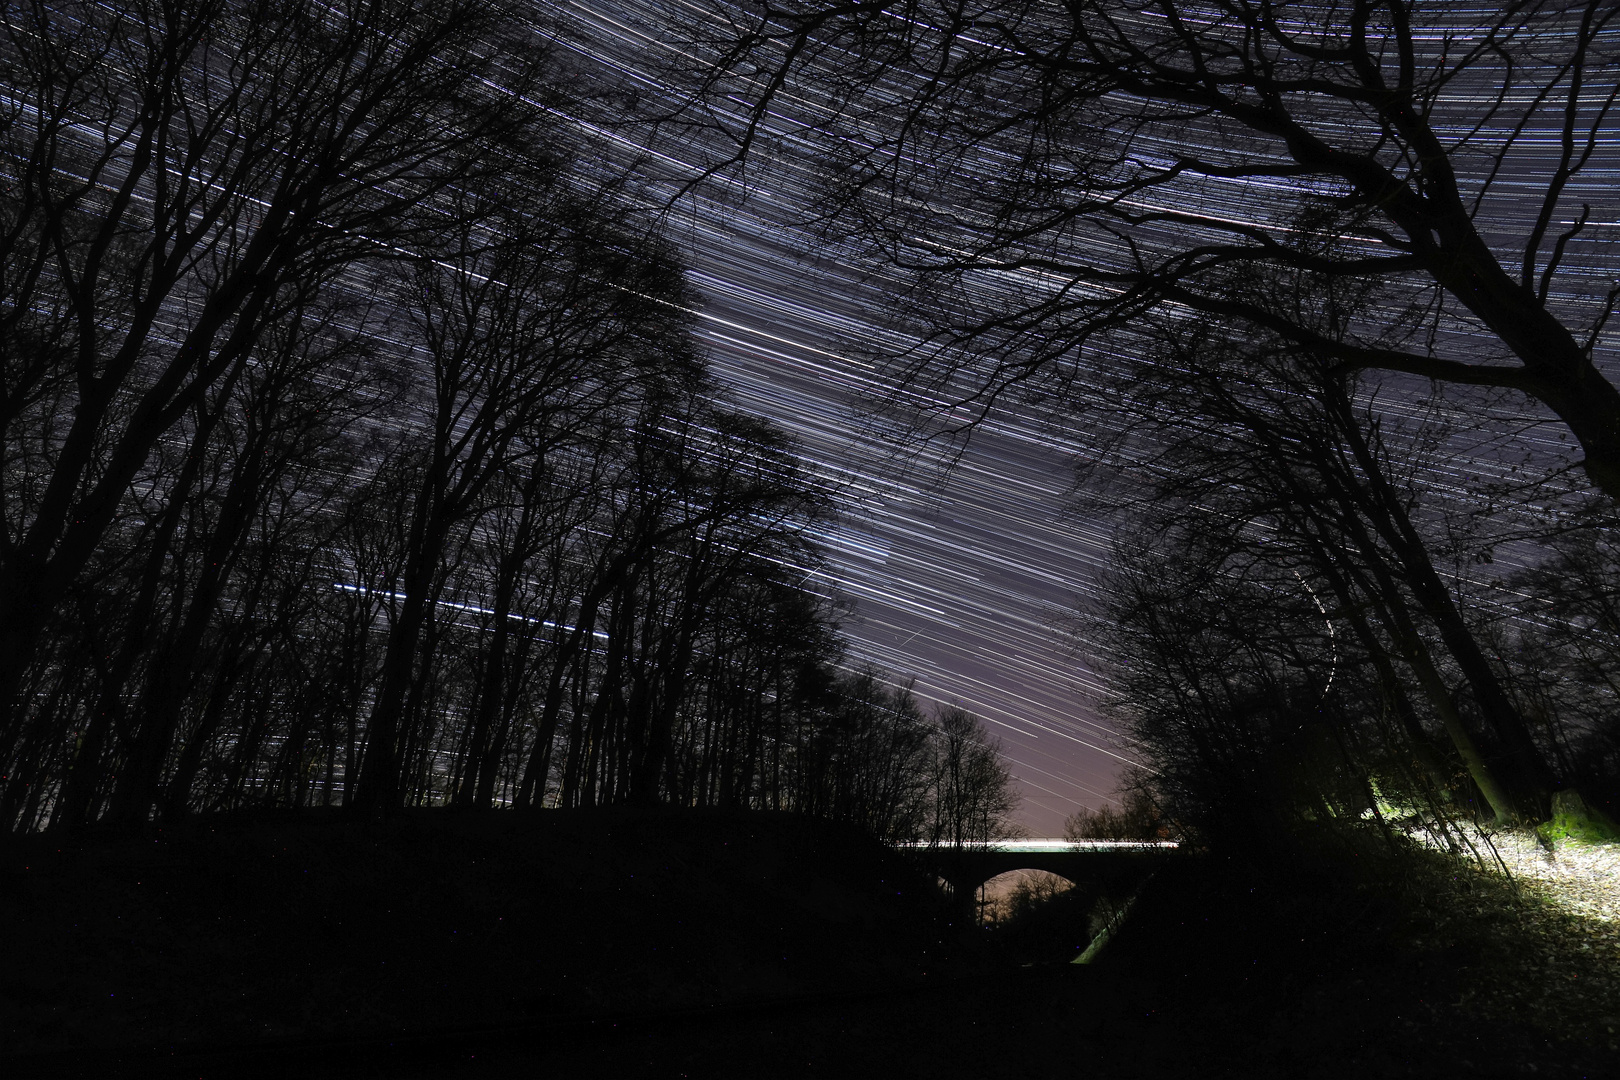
[622,942]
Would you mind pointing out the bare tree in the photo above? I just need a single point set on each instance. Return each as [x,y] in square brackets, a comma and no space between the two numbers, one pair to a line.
[1136,818]
[973,791]
[1563,641]
[536,318]
[175,173]
[357,450]
[1048,175]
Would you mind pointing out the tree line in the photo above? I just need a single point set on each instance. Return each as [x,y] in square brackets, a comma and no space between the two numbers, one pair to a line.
[1301,633]
[1319,287]
[359,451]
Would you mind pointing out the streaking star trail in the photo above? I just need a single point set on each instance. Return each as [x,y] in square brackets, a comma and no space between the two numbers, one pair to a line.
[958,572]
[960,558]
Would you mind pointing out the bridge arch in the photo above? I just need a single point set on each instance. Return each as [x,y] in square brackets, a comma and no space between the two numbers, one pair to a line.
[975,871]
[1098,866]
[997,896]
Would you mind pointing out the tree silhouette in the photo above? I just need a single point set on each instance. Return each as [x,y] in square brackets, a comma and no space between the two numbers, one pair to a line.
[1047,175]
[358,450]
[973,793]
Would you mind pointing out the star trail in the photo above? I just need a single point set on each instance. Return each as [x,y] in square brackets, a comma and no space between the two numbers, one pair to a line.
[664,471]
[961,567]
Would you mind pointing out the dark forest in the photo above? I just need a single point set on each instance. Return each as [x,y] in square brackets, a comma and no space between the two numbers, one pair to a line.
[358,451]
[377,502]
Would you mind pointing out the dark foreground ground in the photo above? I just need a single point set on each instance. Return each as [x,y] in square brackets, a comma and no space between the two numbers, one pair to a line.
[624,944]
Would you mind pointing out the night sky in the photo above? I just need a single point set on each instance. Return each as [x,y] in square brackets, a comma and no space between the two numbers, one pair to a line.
[958,575]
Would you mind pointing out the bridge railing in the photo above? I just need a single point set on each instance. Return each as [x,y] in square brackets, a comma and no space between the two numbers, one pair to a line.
[1048,844]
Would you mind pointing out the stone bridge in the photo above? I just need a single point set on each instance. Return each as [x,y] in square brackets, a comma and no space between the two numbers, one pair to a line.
[1114,867]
